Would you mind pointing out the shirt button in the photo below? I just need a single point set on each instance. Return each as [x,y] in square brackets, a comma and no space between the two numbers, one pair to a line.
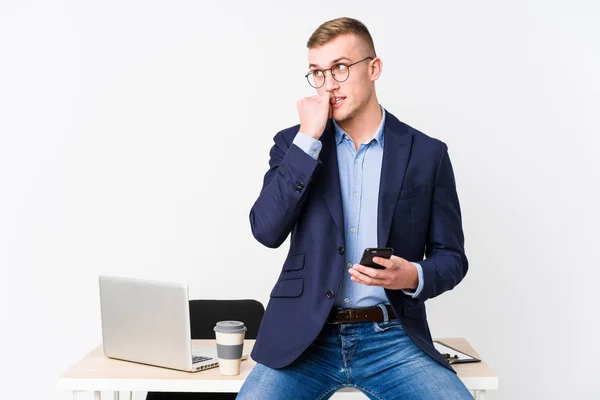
[349,265]
[352,230]
[341,250]
[358,160]
[346,300]
[330,294]
[355,194]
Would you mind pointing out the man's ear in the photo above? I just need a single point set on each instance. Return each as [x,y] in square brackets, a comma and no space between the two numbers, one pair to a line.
[376,68]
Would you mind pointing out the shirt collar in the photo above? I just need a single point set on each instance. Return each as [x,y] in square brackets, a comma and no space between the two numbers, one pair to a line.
[340,134]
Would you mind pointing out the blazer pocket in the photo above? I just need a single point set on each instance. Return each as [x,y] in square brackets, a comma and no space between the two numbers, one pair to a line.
[416,312]
[288,288]
[413,192]
[294,262]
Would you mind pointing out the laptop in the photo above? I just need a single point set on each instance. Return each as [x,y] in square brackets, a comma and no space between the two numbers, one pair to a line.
[148,322]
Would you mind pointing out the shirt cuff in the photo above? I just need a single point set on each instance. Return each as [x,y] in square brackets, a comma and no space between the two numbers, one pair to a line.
[417,292]
[308,144]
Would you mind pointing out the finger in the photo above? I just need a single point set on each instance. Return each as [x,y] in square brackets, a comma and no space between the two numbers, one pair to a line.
[385,262]
[327,97]
[360,280]
[371,272]
[397,260]
[364,278]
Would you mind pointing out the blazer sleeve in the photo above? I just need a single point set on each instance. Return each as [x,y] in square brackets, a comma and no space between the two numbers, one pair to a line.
[445,263]
[283,194]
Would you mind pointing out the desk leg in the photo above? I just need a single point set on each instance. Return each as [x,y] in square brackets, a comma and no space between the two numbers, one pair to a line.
[97,395]
[479,394]
[117,395]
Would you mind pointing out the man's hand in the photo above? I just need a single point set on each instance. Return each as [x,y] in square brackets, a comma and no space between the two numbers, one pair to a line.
[398,274]
[314,112]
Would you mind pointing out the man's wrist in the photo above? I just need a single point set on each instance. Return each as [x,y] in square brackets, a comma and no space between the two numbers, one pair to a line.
[414,277]
[308,144]
[416,283]
[315,136]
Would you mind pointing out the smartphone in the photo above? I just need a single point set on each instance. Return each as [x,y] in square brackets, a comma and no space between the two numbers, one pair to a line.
[369,253]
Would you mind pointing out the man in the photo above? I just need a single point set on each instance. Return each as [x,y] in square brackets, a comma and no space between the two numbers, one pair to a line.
[349,177]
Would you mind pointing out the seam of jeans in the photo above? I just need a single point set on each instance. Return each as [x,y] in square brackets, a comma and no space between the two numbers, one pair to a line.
[370,392]
[351,354]
[343,359]
[333,388]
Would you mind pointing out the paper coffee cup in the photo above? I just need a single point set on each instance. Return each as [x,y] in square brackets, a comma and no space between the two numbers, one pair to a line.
[230,346]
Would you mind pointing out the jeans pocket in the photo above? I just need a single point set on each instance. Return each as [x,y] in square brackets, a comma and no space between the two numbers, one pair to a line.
[383,326]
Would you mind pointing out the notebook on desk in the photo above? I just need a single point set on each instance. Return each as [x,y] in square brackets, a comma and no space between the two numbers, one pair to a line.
[452,355]
[149,322]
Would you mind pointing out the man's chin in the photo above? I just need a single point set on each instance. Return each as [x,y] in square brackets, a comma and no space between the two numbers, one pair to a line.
[339,114]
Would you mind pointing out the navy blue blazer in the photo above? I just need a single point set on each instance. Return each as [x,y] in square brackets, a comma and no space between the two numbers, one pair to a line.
[419,214]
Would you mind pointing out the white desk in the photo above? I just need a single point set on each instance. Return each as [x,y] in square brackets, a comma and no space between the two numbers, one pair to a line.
[96,373]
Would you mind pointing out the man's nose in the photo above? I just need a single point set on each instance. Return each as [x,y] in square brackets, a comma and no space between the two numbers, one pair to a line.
[330,83]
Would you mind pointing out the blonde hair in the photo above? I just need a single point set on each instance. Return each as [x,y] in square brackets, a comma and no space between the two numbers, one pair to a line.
[330,30]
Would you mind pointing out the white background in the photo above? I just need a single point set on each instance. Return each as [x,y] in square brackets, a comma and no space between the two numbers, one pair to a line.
[134,136]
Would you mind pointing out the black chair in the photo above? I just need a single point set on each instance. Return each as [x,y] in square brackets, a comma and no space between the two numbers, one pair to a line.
[204,315]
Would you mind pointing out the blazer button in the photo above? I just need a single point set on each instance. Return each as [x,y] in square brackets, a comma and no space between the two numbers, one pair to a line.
[330,294]
[341,250]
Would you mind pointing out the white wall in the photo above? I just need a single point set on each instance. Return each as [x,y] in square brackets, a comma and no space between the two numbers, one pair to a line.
[134,137]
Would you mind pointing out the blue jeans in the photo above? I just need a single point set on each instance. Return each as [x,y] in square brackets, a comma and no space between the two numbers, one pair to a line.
[377,358]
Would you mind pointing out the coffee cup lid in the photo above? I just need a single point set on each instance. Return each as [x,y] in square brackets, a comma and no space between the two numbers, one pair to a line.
[230,327]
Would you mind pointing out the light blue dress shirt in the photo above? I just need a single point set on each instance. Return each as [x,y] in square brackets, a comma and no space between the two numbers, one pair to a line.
[360,172]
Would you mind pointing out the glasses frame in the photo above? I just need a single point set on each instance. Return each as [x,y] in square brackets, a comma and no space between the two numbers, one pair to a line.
[332,73]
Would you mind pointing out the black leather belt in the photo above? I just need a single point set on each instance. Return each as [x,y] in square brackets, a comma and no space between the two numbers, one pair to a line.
[352,315]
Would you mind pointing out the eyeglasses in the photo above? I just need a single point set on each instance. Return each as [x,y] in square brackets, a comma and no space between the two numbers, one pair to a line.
[340,72]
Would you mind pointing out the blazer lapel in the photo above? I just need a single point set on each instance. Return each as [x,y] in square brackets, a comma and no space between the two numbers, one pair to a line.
[396,149]
[332,192]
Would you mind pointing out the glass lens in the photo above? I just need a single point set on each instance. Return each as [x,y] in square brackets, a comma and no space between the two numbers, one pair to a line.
[316,79]
[340,72]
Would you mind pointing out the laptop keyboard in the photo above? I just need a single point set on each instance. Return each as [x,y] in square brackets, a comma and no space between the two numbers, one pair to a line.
[197,359]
